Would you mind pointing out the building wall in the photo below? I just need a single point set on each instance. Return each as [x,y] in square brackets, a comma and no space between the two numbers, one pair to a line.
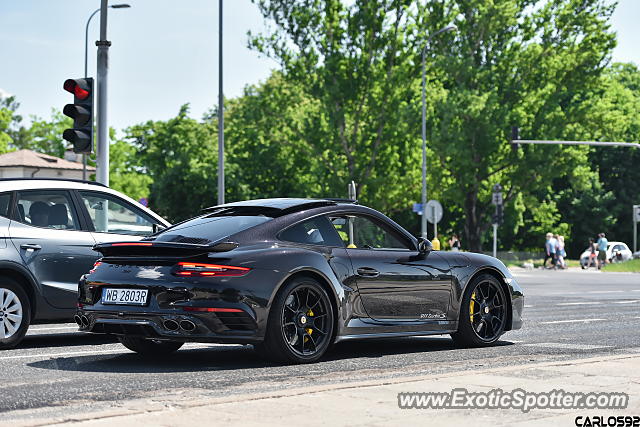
[25,172]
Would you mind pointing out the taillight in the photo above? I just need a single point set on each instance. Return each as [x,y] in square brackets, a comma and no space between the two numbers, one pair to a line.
[95,265]
[195,269]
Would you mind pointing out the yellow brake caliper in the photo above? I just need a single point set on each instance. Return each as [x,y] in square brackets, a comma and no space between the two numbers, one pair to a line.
[472,306]
[308,330]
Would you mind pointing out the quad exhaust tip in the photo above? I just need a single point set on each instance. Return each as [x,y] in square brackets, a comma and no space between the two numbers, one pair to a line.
[78,320]
[170,325]
[187,325]
[84,321]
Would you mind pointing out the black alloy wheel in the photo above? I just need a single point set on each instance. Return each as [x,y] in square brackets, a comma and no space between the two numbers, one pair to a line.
[300,327]
[483,315]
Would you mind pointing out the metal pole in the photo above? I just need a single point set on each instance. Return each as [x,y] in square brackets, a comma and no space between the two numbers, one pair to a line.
[635,228]
[423,219]
[435,223]
[86,74]
[102,74]
[495,240]
[220,117]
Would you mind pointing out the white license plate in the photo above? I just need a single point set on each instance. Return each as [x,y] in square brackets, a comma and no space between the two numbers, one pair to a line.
[124,296]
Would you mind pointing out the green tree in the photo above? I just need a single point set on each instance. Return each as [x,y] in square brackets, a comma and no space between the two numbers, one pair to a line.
[354,65]
[179,157]
[524,62]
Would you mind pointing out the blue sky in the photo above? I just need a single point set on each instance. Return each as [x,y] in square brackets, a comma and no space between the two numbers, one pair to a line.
[164,53]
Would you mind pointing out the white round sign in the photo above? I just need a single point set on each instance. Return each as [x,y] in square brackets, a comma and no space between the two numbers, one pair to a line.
[434,211]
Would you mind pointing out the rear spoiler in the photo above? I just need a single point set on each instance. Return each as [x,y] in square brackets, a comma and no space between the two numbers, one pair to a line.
[153,248]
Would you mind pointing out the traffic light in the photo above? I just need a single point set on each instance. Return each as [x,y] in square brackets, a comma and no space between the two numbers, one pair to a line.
[81,111]
[515,135]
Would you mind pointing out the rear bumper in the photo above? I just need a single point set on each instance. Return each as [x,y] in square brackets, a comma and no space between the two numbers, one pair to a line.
[237,328]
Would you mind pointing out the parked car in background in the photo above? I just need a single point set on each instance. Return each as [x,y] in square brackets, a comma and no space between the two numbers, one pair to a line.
[47,230]
[616,252]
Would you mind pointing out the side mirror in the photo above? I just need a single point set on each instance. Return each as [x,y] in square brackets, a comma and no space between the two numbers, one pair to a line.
[424,246]
[156,228]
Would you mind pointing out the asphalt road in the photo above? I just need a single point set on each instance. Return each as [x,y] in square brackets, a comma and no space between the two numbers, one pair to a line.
[568,315]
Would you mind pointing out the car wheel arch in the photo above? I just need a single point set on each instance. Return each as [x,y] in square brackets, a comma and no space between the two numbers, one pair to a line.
[322,280]
[500,277]
[23,278]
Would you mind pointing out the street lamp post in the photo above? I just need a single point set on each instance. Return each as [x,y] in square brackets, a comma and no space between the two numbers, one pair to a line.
[423,222]
[86,72]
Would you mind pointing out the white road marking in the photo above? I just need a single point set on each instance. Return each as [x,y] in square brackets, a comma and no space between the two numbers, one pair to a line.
[626,302]
[188,346]
[71,353]
[568,346]
[527,306]
[579,303]
[573,321]
[605,292]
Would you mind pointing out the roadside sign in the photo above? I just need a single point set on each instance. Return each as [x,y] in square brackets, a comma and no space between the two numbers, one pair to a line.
[434,211]
[417,208]
[144,201]
[636,213]
[497,199]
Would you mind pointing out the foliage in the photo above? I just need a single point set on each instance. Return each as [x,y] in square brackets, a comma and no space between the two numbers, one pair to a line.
[631,266]
[179,157]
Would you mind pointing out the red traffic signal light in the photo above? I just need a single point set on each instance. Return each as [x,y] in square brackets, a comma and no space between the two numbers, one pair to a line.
[80,88]
[81,111]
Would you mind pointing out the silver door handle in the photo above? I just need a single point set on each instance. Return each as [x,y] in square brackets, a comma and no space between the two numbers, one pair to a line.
[30,246]
[368,272]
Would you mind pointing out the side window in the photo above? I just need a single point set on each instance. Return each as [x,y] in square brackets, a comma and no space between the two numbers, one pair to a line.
[5,199]
[111,215]
[47,209]
[316,231]
[361,232]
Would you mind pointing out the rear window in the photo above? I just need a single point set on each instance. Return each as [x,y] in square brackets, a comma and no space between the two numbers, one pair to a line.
[210,228]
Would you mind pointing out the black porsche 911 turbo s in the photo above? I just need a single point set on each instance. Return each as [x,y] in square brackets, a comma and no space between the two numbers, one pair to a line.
[292,277]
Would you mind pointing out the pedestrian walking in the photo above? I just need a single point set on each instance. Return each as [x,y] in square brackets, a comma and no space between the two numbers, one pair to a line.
[602,250]
[560,252]
[550,250]
[454,243]
[593,253]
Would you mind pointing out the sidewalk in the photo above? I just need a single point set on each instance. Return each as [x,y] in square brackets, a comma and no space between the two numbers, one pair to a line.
[375,403]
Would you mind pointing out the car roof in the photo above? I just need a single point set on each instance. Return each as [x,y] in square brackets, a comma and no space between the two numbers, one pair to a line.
[12,184]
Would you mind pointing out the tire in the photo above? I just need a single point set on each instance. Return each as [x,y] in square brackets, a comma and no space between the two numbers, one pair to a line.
[485,297]
[301,323]
[15,313]
[147,347]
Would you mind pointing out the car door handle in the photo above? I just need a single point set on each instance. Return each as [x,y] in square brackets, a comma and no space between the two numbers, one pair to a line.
[368,272]
[30,246]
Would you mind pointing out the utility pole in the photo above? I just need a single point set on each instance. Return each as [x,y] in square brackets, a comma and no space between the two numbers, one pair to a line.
[102,74]
[498,216]
[220,116]
[636,219]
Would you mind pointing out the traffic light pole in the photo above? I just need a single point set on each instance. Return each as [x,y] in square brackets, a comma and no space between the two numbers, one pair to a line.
[102,74]
[220,118]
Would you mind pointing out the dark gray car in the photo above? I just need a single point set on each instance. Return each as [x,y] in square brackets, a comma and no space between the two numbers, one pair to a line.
[47,231]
